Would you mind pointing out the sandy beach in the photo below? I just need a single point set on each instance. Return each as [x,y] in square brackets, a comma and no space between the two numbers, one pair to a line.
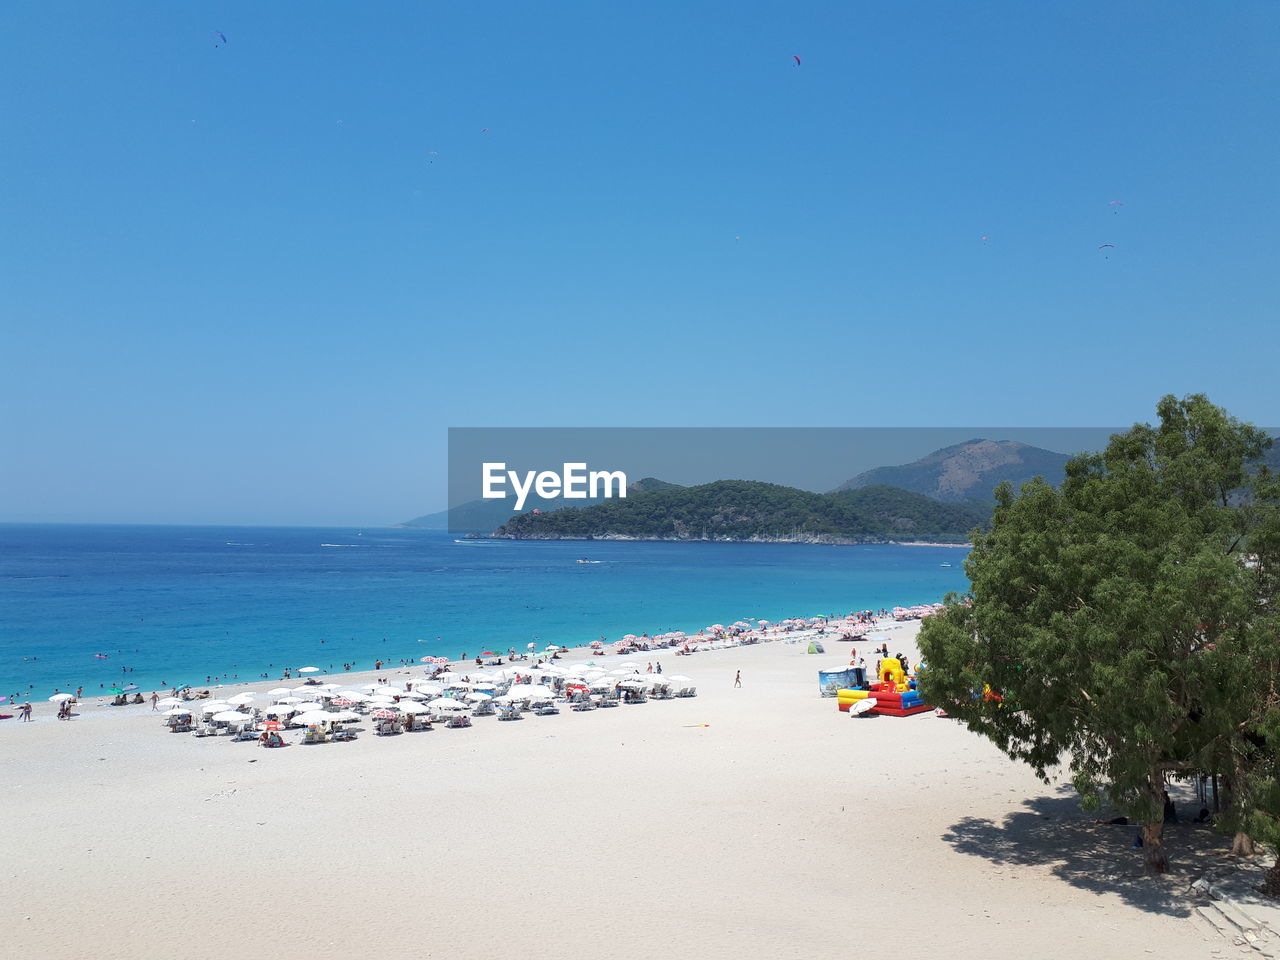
[755,822]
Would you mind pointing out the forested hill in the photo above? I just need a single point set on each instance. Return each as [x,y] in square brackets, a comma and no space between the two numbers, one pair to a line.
[748,510]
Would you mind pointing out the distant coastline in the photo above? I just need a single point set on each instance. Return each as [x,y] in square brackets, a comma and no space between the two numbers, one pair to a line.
[820,539]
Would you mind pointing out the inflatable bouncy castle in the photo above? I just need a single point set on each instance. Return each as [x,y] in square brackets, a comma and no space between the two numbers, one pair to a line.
[894,694]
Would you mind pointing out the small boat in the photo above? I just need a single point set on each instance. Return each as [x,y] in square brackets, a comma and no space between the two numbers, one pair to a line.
[946,564]
[585,560]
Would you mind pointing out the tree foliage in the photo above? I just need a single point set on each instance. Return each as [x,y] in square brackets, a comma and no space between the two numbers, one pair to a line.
[1119,622]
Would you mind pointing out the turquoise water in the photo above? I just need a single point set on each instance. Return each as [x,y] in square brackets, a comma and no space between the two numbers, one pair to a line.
[179,604]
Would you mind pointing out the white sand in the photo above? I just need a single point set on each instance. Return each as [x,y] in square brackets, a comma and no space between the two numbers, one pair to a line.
[783,829]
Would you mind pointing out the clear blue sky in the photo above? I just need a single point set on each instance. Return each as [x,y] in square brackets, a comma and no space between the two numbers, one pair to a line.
[256,282]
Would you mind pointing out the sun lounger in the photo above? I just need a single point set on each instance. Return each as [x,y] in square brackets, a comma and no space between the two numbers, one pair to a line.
[511,712]
[459,720]
[546,709]
[206,730]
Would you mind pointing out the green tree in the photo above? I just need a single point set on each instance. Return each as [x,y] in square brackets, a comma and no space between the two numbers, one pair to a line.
[1119,617]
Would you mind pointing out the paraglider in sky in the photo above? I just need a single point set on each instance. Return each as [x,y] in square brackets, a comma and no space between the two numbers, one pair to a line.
[796,59]
[1115,203]
[985,239]
[1104,246]
[220,38]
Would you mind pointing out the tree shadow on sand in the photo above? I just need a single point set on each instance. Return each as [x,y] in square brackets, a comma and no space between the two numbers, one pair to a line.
[1052,831]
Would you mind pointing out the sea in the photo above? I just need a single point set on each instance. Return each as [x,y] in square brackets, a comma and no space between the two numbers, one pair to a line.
[154,606]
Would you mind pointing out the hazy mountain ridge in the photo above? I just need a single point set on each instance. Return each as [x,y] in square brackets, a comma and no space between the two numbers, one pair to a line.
[967,471]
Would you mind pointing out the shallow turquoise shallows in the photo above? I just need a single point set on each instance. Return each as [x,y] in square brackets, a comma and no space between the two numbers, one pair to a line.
[100,605]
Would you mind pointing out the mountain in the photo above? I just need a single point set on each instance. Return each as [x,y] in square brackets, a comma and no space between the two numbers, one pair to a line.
[481,516]
[967,471]
[748,510]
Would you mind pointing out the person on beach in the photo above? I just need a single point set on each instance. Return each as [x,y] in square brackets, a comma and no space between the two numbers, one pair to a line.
[26,713]
[737,679]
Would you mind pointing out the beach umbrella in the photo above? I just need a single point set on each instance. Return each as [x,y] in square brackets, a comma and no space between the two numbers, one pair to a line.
[413,708]
[444,703]
[305,692]
[168,702]
[311,718]
[532,646]
[272,725]
[306,707]
[59,697]
[241,698]
[448,675]
[478,697]
[176,712]
[328,686]
[428,687]
[308,669]
[385,715]
[130,688]
[231,716]
[344,716]
[279,692]
[343,702]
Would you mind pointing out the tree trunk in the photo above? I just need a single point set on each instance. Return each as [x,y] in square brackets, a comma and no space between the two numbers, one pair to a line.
[1153,833]
[1153,848]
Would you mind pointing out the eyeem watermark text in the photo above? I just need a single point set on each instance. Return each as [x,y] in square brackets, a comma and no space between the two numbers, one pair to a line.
[574,482]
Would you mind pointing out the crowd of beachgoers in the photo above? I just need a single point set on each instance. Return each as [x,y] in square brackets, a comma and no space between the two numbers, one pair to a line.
[453,692]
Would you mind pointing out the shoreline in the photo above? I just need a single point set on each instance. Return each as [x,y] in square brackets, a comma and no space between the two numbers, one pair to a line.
[819,540]
[95,704]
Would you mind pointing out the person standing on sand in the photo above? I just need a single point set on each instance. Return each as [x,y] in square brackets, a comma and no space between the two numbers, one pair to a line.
[737,679]
[26,713]
[154,697]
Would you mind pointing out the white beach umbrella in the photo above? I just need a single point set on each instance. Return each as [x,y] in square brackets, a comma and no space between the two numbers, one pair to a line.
[409,707]
[307,707]
[478,697]
[176,712]
[241,698]
[313,717]
[212,706]
[59,697]
[289,699]
[344,716]
[429,687]
[329,686]
[279,692]
[231,716]
[305,692]
[169,702]
[447,675]
[355,695]
[308,669]
[446,704]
